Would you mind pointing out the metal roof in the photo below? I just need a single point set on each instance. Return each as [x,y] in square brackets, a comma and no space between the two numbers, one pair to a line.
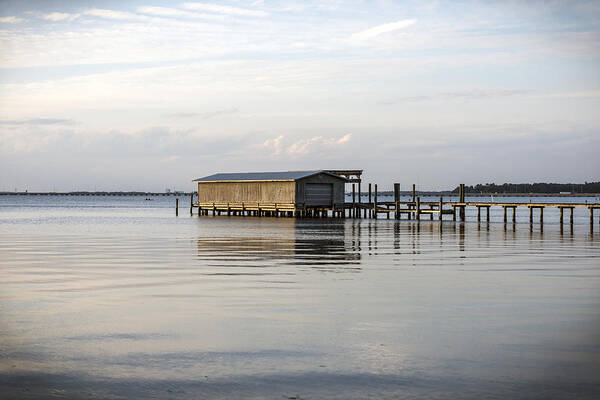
[263,176]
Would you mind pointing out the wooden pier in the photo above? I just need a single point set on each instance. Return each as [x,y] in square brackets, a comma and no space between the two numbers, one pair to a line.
[375,208]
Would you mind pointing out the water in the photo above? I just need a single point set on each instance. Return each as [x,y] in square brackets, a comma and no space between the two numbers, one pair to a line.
[115,297]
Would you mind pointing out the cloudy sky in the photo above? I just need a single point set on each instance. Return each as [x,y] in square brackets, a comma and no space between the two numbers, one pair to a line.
[145,95]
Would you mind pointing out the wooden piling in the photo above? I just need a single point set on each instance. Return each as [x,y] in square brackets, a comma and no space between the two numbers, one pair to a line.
[514,215]
[418,208]
[353,212]
[375,203]
[561,216]
[371,210]
[462,200]
[359,193]
[478,213]
[441,209]
[176,207]
[487,214]
[571,218]
[397,200]
[504,207]
[192,204]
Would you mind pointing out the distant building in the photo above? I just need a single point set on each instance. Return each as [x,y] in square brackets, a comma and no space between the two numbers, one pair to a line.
[167,190]
[318,188]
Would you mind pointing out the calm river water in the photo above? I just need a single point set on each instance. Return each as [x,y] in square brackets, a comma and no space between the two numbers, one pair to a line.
[115,297]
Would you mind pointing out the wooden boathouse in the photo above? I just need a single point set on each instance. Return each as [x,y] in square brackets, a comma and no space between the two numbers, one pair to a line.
[293,193]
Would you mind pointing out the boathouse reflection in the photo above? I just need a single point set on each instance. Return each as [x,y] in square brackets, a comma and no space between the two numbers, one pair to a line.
[314,244]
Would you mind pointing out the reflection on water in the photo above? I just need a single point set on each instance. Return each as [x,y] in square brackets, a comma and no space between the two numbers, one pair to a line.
[323,247]
[150,305]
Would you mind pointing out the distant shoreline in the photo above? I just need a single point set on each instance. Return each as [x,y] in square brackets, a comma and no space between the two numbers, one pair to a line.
[95,193]
[381,193]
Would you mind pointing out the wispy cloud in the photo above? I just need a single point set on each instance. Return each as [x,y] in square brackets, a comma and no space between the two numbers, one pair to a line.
[476,94]
[11,20]
[228,10]
[176,13]
[38,121]
[205,115]
[59,16]
[113,14]
[381,29]
[302,147]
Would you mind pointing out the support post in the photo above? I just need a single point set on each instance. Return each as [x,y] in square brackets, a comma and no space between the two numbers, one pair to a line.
[397,200]
[353,212]
[441,209]
[504,207]
[375,203]
[530,215]
[370,210]
[418,208]
[177,207]
[462,200]
[514,215]
[561,216]
[591,217]
[487,213]
[431,213]
[359,210]
[192,203]
[571,218]
[478,213]
[541,216]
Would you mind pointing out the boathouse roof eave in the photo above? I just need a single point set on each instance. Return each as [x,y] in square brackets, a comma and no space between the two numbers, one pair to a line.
[284,176]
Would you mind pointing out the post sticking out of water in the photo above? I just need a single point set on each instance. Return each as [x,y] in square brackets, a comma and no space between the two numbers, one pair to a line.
[192,203]
[441,209]
[370,211]
[397,199]
[418,209]
[462,200]
[353,212]
[375,203]
[176,207]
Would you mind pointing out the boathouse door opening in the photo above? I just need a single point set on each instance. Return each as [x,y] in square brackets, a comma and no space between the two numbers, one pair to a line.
[318,194]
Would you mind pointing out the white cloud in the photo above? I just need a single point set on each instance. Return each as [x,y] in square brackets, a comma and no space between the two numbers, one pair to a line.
[112,14]
[274,144]
[303,146]
[381,29]
[58,16]
[228,10]
[11,20]
[170,158]
[174,12]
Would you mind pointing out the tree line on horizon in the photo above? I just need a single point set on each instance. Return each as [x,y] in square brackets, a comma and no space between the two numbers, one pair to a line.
[587,187]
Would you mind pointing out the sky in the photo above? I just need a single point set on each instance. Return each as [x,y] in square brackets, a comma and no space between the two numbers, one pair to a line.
[148,95]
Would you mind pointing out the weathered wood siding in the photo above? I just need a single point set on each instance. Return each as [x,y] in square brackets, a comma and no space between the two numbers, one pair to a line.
[233,192]
[337,184]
